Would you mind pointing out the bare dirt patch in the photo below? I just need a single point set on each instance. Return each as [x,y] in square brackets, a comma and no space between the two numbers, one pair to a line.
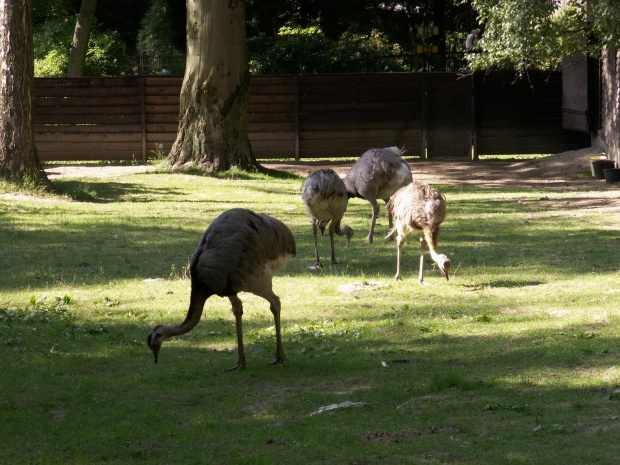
[568,172]
[567,168]
[564,169]
[94,171]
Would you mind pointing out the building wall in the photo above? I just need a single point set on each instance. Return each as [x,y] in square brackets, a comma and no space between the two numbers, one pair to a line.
[610,103]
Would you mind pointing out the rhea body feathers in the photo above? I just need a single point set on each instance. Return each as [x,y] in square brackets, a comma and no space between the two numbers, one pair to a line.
[239,252]
[326,200]
[377,175]
[419,208]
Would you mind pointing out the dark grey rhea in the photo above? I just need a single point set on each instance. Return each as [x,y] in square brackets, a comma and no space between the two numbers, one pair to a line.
[378,174]
[239,252]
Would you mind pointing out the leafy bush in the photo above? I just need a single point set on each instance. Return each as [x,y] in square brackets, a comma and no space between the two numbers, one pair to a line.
[107,55]
[155,33]
[54,64]
[52,45]
[300,51]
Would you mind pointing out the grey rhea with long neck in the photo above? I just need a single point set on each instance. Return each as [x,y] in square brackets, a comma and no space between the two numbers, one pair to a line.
[377,175]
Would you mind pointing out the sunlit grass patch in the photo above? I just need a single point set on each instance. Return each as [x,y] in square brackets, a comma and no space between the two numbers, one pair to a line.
[514,360]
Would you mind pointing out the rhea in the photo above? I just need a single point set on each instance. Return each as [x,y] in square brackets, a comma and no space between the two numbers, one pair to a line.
[418,208]
[326,200]
[378,174]
[239,252]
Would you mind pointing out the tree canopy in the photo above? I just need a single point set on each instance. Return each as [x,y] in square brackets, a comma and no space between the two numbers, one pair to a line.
[289,36]
[525,34]
[304,36]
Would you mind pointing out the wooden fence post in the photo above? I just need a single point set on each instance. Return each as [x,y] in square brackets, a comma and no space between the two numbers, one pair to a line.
[297,155]
[143,116]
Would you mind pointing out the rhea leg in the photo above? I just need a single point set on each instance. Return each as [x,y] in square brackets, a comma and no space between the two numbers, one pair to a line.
[237,309]
[399,251]
[275,309]
[274,306]
[421,272]
[390,219]
[375,213]
[332,229]
[318,263]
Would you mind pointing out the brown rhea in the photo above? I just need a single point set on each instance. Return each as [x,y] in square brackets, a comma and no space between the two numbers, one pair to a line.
[418,208]
[239,252]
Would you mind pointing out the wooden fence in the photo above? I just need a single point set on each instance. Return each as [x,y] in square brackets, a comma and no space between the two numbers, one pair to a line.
[432,115]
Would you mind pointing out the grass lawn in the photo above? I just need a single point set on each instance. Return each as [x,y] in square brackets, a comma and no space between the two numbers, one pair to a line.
[515,360]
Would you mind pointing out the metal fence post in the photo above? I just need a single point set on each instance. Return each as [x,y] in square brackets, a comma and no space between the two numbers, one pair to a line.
[474,116]
[424,152]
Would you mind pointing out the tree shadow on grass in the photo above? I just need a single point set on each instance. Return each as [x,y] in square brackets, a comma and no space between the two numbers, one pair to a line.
[261,173]
[75,379]
[104,191]
[503,283]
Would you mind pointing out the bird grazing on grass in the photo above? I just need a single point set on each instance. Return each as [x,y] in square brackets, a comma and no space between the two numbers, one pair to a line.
[417,208]
[377,175]
[326,199]
[240,251]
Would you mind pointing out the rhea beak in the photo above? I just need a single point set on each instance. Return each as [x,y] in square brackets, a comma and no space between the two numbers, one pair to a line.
[155,350]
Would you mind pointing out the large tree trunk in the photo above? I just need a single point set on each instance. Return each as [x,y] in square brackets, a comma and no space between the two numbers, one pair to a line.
[81,36]
[18,154]
[213,124]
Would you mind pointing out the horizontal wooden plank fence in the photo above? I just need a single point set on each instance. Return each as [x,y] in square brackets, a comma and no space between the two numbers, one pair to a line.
[524,116]
[432,115]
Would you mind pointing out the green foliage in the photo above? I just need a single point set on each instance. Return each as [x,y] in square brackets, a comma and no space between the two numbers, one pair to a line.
[158,38]
[39,312]
[53,64]
[106,56]
[524,34]
[44,10]
[299,51]
[52,42]
[155,34]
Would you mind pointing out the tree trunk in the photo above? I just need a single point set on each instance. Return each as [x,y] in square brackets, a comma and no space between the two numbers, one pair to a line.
[213,122]
[19,160]
[81,36]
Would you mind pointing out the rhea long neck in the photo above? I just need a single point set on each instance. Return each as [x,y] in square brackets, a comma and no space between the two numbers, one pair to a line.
[196,306]
[431,242]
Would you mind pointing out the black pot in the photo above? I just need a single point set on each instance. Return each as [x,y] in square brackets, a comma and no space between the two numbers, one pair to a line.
[600,156]
[601,165]
[612,175]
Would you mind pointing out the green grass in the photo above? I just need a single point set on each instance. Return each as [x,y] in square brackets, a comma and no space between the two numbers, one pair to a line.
[516,360]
